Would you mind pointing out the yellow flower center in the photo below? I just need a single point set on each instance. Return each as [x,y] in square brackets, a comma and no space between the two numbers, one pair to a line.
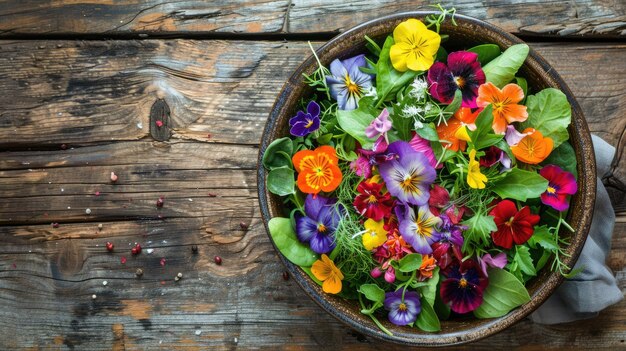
[409,184]
[309,124]
[551,190]
[402,307]
[321,228]
[353,88]
[322,173]
[418,48]
[460,82]
[372,199]
[463,283]
[510,221]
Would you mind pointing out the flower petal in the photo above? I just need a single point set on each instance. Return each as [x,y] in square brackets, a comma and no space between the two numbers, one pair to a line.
[513,93]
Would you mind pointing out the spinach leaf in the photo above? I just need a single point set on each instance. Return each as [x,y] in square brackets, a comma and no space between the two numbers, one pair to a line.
[503,68]
[520,185]
[288,244]
[550,113]
[503,294]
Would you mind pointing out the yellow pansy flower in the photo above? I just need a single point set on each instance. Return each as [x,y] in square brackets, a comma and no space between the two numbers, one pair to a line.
[375,234]
[415,46]
[475,179]
[326,271]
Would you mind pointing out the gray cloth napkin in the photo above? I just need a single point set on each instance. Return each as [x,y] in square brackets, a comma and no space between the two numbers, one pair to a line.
[595,288]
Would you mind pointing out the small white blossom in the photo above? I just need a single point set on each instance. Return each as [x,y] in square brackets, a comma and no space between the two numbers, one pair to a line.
[370,92]
[418,125]
[428,107]
[420,88]
[412,111]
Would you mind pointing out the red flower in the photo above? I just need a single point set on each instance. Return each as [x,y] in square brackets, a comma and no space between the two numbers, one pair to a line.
[439,198]
[513,225]
[371,203]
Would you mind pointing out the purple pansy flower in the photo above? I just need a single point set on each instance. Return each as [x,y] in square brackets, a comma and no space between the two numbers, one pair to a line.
[402,311]
[305,123]
[448,248]
[462,72]
[464,286]
[347,83]
[362,166]
[419,229]
[318,227]
[408,175]
[379,126]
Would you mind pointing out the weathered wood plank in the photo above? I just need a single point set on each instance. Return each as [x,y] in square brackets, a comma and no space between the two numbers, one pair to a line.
[588,18]
[48,277]
[80,93]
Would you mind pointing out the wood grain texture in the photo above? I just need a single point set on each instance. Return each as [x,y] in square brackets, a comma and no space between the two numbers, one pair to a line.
[88,92]
[588,18]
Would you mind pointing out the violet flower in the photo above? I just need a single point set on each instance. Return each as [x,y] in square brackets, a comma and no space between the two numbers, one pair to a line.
[408,175]
[379,126]
[464,286]
[419,229]
[318,227]
[347,83]
[402,311]
[462,72]
[305,123]
[448,249]
[560,184]
[497,261]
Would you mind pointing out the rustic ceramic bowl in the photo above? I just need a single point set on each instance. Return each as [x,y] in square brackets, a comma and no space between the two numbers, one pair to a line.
[539,75]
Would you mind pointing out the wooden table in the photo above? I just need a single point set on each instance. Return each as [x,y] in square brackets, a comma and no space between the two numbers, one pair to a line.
[82,86]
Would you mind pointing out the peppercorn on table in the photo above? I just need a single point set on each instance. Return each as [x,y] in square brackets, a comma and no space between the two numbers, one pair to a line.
[128,144]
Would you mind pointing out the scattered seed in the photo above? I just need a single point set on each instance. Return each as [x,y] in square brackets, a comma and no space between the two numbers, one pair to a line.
[113,177]
[55,225]
[149,251]
[93,297]
[139,272]
[194,249]
[123,259]
[218,260]
[285,275]
[198,332]
[162,262]
[208,136]
[179,275]
[100,226]
[63,147]
[159,124]
[211,195]
[160,201]
[109,246]
[97,193]
[244,226]
[105,283]
[136,250]
[176,279]
[88,211]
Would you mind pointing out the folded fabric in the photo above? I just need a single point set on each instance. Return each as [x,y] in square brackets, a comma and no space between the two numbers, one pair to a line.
[595,287]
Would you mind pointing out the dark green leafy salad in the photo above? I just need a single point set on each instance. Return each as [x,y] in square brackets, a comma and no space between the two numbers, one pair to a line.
[425,183]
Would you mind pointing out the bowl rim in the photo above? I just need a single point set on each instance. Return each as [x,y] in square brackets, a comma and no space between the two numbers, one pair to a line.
[586,170]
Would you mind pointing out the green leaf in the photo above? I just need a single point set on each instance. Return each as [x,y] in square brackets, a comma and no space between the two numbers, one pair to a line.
[410,262]
[442,54]
[524,261]
[402,125]
[550,113]
[388,80]
[355,121]
[324,139]
[483,136]
[524,85]
[504,293]
[429,290]
[427,320]
[442,309]
[542,237]
[564,157]
[503,68]
[486,52]
[520,185]
[288,244]
[455,104]
[278,153]
[372,292]
[280,181]
[479,228]
[428,132]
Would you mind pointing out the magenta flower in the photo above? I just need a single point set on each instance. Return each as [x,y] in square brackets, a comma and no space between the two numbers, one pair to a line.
[462,72]
[402,311]
[497,261]
[318,227]
[464,286]
[305,123]
[422,145]
[379,126]
[408,175]
[347,83]
[448,249]
[560,184]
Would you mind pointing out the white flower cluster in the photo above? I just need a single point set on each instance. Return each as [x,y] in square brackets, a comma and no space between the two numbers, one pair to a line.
[420,89]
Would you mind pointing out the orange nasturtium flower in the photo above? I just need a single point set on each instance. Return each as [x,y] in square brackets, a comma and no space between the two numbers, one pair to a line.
[505,105]
[428,266]
[533,148]
[317,169]
[326,271]
[453,132]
